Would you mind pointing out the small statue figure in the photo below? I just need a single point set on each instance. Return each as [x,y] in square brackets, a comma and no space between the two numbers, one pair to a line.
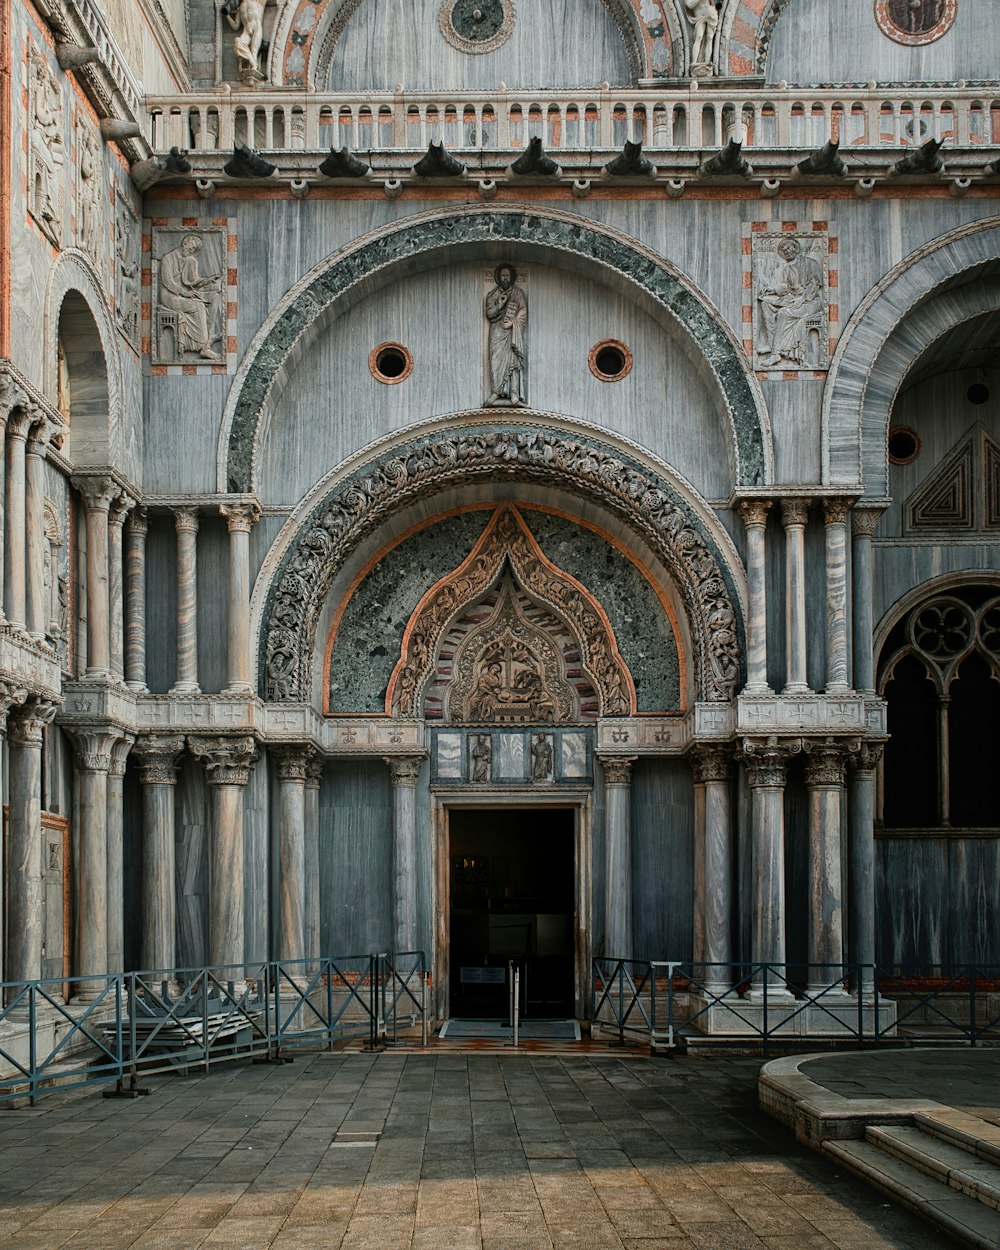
[789,298]
[195,298]
[541,757]
[482,757]
[507,312]
[704,17]
[247,18]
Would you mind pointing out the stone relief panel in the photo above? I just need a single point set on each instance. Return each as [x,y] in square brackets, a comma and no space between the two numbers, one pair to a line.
[512,757]
[127,275]
[46,148]
[91,191]
[788,276]
[506,310]
[190,322]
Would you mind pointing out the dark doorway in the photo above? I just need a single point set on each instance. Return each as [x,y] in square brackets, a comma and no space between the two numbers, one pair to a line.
[511,899]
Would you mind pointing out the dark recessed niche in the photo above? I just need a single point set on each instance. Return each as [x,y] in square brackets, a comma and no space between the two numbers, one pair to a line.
[390,362]
[609,360]
[904,445]
[977,393]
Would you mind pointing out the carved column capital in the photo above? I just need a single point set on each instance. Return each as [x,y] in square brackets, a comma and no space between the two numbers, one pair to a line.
[26,723]
[711,762]
[865,760]
[766,760]
[186,520]
[826,763]
[754,512]
[158,755]
[404,770]
[794,512]
[228,760]
[20,420]
[121,506]
[836,510]
[41,432]
[292,761]
[11,696]
[97,492]
[315,767]
[138,522]
[240,517]
[617,769]
[864,521]
[94,747]
[12,395]
[119,755]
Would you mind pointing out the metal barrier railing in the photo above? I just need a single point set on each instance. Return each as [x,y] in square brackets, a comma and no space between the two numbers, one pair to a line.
[83,1030]
[664,1003]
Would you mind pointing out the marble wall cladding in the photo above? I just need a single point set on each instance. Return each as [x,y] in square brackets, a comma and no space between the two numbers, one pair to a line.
[448,756]
[194,816]
[356,857]
[213,615]
[574,758]
[161,604]
[509,757]
[662,859]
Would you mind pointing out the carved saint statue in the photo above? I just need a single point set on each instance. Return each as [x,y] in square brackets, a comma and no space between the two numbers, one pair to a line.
[482,757]
[89,194]
[127,285]
[507,312]
[541,757]
[704,17]
[246,17]
[789,299]
[48,150]
[193,297]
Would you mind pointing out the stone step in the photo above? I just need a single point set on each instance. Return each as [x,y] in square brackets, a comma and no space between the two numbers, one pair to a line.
[952,1165]
[977,1137]
[969,1222]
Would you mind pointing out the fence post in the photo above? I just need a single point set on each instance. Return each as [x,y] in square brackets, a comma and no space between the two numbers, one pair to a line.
[973,1030]
[329,1003]
[204,1018]
[32,1043]
[423,1001]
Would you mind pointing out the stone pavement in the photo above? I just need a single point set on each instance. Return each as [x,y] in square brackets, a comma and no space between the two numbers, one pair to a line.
[433,1152]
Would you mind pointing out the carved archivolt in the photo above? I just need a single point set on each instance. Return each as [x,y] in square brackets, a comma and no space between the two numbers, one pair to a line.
[498,659]
[355,508]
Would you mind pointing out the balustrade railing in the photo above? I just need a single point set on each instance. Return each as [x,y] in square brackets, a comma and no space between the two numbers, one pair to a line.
[579,122]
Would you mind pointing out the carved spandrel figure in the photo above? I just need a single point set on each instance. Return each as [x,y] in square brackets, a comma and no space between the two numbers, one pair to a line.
[704,17]
[246,17]
[127,283]
[506,310]
[48,150]
[789,298]
[195,298]
[89,194]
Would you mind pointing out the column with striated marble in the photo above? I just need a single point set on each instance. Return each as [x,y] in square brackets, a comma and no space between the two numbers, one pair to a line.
[228,761]
[135,601]
[121,506]
[617,855]
[311,899]
[35,541]
[97,493]
[835,513]
[864,522]
[698,916]
[241,517]
[18,424]
[404,771]
[116,853]
[11,397]
[290,762]
[187,601]
[158,754]
[861,861]
[93,763]
[714,900]
[754,513]
[825,775]
[794,515]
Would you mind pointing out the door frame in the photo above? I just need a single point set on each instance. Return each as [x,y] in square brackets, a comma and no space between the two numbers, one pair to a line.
[580,802]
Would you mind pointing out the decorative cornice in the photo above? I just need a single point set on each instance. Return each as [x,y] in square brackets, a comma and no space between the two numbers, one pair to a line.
[228,760]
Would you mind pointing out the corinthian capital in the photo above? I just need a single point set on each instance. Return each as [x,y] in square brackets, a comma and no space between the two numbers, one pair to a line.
[158,755]
[754,512]
[292,762]
[711,763]
[26,724]
[617,769]
[404,770]
[766,759]
[228,760]
[826,762]
[240,517]
[97,492]
[794,512]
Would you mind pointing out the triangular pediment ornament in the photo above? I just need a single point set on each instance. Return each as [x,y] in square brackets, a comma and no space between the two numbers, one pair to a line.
[946,501]
[991,482]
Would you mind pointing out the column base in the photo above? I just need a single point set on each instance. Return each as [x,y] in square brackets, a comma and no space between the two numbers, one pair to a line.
[757,687]
[139,687]
[185,687]
[797,687]
[838,687]
[97,674]
[242,690]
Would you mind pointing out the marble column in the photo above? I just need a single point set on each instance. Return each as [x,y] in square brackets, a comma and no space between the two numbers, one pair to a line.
[825,776]
[11,397]
[241,517]
[794,515]
[93,763]
[311,898]
[754,513]
[158,755]
[835,513]
[861,861]
[698,917]
[864,522]
[135,601]
[714,874]
[766,763]
[290,766]
[18,424]
[120,509]
[228,761]
[36,609]
[116,853]
[617,855]
[404,771]
[187,602]
[97,493]
[25,917]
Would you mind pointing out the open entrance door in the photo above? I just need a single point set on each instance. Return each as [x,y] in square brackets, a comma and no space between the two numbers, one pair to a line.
[511,895]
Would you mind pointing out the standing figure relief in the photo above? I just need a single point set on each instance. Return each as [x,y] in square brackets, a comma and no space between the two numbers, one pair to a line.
[246,17]
[506,309]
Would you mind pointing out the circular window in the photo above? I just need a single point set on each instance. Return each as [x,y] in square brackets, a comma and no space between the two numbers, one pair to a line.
[390,362]
[609,360]
[476,25]
[915,21]
[977,393]
[904,445]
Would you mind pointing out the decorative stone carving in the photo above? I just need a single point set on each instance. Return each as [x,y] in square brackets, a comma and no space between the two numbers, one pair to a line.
[404,770]
[188,296]
[794,512]
[542,757]
[836,510]
[127,278]
[704,18]
[358,506]
[766,760]
[26,722]
[790,301]
[227,760]
[47,148]
[158,755]
[315,767]
[826,763]
[915,22]
[711,763]
[89,193]
[867,757]
[291,762]
[11,696]
[246,17]
[481,757]
[477,26]
[617,769]
[506,308]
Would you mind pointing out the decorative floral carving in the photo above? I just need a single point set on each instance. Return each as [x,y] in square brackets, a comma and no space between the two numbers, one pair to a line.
[158,754]
[358,506]
[617,769]
[291,762]
[826,763]
[228,760]
[711,763]
[404,770]
[766,760]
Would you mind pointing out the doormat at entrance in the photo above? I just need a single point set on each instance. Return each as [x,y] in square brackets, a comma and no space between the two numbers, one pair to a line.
[496,1030]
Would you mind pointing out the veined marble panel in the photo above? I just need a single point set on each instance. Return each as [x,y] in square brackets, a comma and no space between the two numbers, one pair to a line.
[448,756]
[509,757]
[573,760]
